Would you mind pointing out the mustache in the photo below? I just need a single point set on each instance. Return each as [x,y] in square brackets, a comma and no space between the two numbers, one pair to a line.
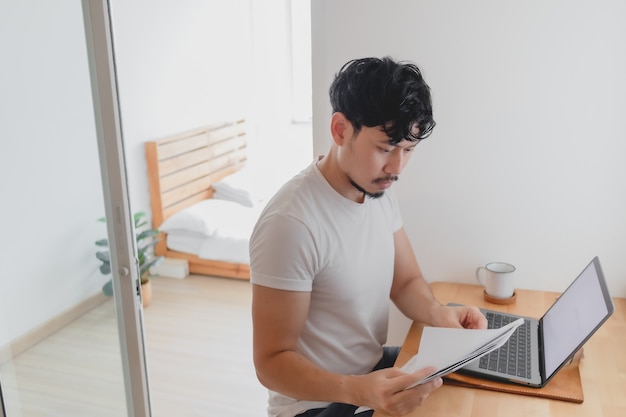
[385,179]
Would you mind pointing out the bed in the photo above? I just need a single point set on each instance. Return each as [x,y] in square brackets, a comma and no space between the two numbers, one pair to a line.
[201,198]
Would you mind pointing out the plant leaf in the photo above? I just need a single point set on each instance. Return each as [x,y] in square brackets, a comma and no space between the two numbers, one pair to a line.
[103,256]
[137,217]
[144,250]
[147,234]
[107,288]
[105,268]
[147,246]
[102,242]
[146,266]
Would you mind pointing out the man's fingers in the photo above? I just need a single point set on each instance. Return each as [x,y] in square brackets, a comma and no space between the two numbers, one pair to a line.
[407,380]
[407,399]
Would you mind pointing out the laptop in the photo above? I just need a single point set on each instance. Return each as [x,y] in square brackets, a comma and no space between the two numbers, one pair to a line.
[540,347]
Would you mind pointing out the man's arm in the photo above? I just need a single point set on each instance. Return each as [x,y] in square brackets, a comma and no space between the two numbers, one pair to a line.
[412,295]
[278,317]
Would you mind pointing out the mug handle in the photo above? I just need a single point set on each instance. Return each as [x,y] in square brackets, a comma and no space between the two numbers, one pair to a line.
[479,277]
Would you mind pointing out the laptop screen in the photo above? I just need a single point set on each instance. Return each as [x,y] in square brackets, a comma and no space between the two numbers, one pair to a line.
[575,316]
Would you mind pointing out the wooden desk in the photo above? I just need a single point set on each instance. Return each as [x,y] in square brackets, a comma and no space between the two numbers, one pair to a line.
[602,370]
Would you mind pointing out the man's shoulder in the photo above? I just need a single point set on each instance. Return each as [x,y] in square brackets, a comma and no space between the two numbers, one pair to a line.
[296,193]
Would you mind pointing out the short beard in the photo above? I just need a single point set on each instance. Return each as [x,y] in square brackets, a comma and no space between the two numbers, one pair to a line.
[373,195]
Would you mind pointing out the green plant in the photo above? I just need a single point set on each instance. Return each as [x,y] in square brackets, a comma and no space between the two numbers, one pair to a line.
[146,240]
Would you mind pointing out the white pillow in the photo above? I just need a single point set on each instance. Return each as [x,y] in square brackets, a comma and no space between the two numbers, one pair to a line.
[244,188]
[237,196]
[206,217]
[236,187]
[186,241]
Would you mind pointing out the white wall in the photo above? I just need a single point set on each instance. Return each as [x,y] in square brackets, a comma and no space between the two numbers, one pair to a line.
[172,63]
[180,64]
[49,169]
[526,164]
[188,63]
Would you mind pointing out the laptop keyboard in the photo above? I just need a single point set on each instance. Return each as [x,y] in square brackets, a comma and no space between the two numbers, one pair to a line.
[512,358]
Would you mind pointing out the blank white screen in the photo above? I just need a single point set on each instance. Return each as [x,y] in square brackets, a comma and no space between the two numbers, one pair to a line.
[572,318]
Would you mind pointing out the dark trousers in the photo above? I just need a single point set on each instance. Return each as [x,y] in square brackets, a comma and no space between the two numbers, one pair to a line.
[347,410]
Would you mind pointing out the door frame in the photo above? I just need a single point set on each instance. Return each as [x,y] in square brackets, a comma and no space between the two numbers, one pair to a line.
[124,263]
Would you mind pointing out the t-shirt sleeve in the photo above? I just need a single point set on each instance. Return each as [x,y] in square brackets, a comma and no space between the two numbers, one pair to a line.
[282,254]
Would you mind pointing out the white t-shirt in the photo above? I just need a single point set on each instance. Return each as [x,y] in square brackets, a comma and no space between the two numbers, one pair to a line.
[310,238]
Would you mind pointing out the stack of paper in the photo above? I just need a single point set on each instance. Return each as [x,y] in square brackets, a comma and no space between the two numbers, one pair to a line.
[450,349]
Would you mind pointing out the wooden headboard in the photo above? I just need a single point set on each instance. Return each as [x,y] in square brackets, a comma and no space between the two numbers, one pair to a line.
[181,169]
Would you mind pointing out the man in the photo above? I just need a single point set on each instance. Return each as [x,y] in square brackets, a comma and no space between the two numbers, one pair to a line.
[329,251]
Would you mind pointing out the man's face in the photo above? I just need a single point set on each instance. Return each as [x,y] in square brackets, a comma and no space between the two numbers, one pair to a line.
[371,164]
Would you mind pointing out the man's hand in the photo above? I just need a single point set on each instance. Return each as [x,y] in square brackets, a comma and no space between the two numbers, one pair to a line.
[385,390]
[468,317]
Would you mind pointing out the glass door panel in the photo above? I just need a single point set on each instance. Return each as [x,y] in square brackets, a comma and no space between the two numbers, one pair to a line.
[60,351]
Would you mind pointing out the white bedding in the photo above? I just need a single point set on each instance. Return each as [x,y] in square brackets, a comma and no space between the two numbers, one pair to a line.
[185,242]
[219,228]
[216,247]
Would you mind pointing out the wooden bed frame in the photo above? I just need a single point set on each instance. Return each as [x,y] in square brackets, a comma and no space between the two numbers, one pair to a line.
[181,169]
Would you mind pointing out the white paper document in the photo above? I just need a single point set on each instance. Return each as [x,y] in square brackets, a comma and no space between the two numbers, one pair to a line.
[449,349]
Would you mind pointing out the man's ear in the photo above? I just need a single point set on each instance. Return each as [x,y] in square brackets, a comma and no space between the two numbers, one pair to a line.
[340,128]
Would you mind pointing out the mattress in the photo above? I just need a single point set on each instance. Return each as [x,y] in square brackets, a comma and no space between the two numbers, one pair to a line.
[215,247]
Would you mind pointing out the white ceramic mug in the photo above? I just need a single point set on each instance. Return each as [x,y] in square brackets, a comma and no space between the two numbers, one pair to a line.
[498,279]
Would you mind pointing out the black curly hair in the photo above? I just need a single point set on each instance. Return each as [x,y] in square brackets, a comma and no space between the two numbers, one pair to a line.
[382,92]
